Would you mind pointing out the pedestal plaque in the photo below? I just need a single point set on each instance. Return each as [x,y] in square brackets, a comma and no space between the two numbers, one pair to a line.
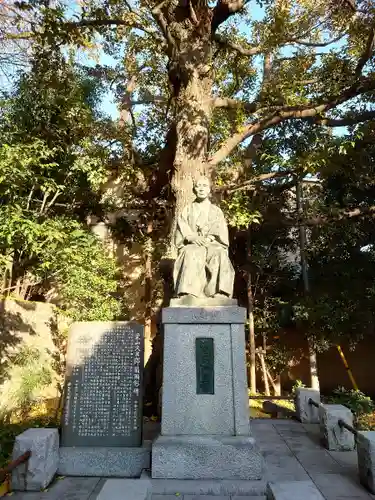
[204,358]
[103,390]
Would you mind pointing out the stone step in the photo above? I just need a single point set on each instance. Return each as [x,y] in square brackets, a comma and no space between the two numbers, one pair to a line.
[213,487]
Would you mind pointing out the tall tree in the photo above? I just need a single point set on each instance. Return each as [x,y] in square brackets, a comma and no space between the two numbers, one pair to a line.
[211,76]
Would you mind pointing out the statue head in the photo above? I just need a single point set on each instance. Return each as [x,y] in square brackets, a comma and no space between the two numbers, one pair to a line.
[202,188]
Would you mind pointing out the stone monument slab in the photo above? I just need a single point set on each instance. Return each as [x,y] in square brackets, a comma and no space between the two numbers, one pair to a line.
[103,389]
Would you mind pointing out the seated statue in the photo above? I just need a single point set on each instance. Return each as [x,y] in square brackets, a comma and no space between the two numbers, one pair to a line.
[202,267]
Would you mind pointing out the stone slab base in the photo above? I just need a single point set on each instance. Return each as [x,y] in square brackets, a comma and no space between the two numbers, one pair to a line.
[104,462]
[211,487]
[206,457]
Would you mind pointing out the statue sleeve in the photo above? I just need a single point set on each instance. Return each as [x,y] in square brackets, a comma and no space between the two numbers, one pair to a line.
[183,229]
[219,229]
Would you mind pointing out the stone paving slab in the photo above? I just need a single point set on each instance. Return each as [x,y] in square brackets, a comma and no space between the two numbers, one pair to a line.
[68,488]
[132,489]
[205,497]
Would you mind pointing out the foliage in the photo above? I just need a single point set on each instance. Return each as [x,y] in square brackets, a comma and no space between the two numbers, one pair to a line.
[53,161]
[30,373]
[361,405]
[341,249]
[87,278]
[297,384]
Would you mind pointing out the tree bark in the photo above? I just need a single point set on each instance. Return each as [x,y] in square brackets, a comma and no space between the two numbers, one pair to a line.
[148,292]
[314,379]
[250,317]
[190,77]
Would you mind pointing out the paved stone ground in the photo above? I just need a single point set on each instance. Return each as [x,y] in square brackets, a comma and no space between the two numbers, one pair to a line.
[292,453]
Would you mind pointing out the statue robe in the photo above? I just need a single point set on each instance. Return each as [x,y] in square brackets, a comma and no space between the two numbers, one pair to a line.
[202,271]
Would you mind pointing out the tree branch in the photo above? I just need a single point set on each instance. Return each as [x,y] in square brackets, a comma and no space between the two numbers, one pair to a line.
[367,52]
[159,17]
[313,44]
[244,51]
[149,100]
[227,102]
[348,120]
[312,112]
[342,215]
[251,183]
[96,23]
[251,51]
[223,10]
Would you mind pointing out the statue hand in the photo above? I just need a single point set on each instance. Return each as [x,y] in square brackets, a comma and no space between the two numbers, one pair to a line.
[201,241]
[192,239]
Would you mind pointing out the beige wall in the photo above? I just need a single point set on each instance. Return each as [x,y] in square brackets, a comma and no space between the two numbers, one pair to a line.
[131,261]
[32,324]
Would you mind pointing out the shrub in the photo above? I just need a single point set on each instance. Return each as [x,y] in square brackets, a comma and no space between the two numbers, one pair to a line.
[360,404]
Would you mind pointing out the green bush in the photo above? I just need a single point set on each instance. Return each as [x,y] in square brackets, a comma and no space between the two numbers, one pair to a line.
[298,383]
[356,401]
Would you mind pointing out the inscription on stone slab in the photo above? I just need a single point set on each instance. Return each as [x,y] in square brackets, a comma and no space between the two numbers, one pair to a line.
[103,388]
[204,356]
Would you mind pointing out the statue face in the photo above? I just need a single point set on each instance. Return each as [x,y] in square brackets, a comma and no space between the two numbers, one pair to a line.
[202,188]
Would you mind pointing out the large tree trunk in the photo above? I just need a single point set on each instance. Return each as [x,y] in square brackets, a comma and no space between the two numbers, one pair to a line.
[190,74]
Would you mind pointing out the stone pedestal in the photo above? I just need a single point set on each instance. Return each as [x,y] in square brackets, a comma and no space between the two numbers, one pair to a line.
[205,429]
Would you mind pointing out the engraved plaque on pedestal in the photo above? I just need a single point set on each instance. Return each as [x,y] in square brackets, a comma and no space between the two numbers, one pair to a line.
[103,388]
[204,359]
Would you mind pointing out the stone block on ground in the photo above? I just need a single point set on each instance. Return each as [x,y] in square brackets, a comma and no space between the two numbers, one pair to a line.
[39,470]
[366,459]
[333,436]
[306,412]
[293,490]
[104,462]
[206,457]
